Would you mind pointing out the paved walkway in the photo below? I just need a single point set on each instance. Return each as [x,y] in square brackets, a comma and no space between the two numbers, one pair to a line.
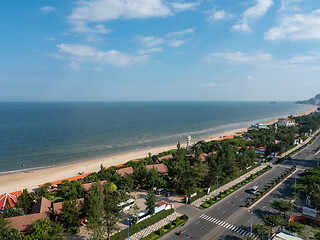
[145,232]
[199,201]
[299,145]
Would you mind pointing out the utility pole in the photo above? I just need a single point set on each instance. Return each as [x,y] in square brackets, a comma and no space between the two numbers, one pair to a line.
[250,221]
[217,188]
[128,226]
[295,183]
[260,166]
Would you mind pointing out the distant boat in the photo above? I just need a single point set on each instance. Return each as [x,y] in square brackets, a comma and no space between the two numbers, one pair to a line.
[273,102]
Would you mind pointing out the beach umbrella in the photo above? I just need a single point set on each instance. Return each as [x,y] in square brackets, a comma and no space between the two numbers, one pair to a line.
[7,200]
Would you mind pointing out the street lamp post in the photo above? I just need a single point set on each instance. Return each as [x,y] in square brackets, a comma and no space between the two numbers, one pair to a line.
[250,221]
[217,188]
[295,183]
[260,166]
[128,227]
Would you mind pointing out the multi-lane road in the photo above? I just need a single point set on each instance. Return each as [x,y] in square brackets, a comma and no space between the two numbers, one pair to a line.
[229,218]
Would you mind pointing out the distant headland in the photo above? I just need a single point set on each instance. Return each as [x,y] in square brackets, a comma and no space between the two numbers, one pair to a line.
[312,101]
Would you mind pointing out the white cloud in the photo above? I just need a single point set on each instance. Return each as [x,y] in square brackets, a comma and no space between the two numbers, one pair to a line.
[218,15]
[179,7]
[93,11]
[50,39]
[150,41]
[73,66]
[47,9]
[297,27]
[182,32]
[289,5]
[176,43]
[258,10]
[250,78]
[213,85]
[86,53]
[150,50]
[239,57]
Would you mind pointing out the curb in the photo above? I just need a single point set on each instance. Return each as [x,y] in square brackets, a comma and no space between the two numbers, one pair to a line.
[271,190]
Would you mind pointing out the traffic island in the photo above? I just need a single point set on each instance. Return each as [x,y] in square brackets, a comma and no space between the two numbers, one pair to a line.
[272,185]
[235,187]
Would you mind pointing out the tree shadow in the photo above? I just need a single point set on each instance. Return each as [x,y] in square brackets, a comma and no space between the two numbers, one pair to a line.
[230,237]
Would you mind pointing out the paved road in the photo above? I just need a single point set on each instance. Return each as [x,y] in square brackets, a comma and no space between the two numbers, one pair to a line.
[220,219]
[229,219]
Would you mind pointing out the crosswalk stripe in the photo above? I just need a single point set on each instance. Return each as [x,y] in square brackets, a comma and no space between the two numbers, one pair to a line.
[241,232]
[233,228]
[215,221]
[225,224]
[201,216]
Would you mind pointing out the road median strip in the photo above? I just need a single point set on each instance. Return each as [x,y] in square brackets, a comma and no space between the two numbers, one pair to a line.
[167,228]
[271,187]
[232,189]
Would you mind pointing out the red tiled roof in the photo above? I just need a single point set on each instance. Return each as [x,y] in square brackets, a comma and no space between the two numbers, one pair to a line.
[165,157]
[57,207]
[41,206]
[23,223]
[87,186]
[125,171]
[8,200]
[161,168]
[70,179]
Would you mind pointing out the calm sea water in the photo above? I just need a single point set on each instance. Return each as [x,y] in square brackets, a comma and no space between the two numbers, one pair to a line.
[46,134]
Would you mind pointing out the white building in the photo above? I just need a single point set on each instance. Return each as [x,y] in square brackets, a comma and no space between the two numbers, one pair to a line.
[258,126]
[286,122]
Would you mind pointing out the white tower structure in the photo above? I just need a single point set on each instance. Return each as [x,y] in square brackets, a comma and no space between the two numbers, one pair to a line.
[188,142]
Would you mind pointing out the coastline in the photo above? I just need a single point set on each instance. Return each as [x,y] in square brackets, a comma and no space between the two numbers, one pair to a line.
[17,181]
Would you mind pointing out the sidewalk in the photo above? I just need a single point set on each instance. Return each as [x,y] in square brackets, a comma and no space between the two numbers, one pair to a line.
[299,145]
[145,232]
[199,201]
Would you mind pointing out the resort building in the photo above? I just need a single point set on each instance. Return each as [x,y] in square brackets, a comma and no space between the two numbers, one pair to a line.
[41,209]
[286,122]
[258,126]
[161,168]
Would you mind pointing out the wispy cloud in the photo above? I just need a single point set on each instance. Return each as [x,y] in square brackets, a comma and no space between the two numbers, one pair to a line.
[82,53]
[180,6]
[176,43]
[150,50]
[47,9]
[290,5]
[214,15]
[97,12]
[221,85]
[258,10]
[150,41]
[182,32]
[297,27]
[239,57]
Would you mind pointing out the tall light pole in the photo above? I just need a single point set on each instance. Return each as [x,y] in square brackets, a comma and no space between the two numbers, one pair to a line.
[217,188]
[295,183]
[128,227]
[260,166]
[250,221]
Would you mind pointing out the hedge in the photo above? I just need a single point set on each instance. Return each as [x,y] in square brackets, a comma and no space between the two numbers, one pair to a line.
[167,228]
[203,192]
[227,192]
[142,225]
[274,183]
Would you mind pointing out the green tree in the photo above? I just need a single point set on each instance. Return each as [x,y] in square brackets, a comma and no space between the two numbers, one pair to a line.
[263,230]
[111,211]
[25,201]
[42,192]
[151,201]
[283,206]
[273,220]
[94,210]
[46,229]
[69,216]
[13,212]
[4,228]
[315,201]
[71,190]
[294,227]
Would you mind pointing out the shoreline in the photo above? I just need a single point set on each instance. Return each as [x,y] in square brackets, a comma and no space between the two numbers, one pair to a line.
[15,181]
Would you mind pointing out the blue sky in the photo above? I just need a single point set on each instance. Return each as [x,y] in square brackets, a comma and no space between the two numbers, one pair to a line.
[159,50]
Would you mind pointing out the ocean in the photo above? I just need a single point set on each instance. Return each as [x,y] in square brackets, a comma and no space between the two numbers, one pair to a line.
[43,134]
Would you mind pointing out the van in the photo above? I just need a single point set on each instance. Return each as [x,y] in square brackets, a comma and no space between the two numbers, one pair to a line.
[160,191]
[254,189]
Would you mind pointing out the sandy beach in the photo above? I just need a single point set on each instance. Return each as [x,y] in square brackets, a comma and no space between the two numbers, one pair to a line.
[31,180]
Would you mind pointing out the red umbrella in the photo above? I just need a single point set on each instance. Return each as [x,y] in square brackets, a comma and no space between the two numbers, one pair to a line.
[7,200]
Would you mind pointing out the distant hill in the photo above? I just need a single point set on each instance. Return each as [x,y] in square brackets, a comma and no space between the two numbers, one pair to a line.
[313,101]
